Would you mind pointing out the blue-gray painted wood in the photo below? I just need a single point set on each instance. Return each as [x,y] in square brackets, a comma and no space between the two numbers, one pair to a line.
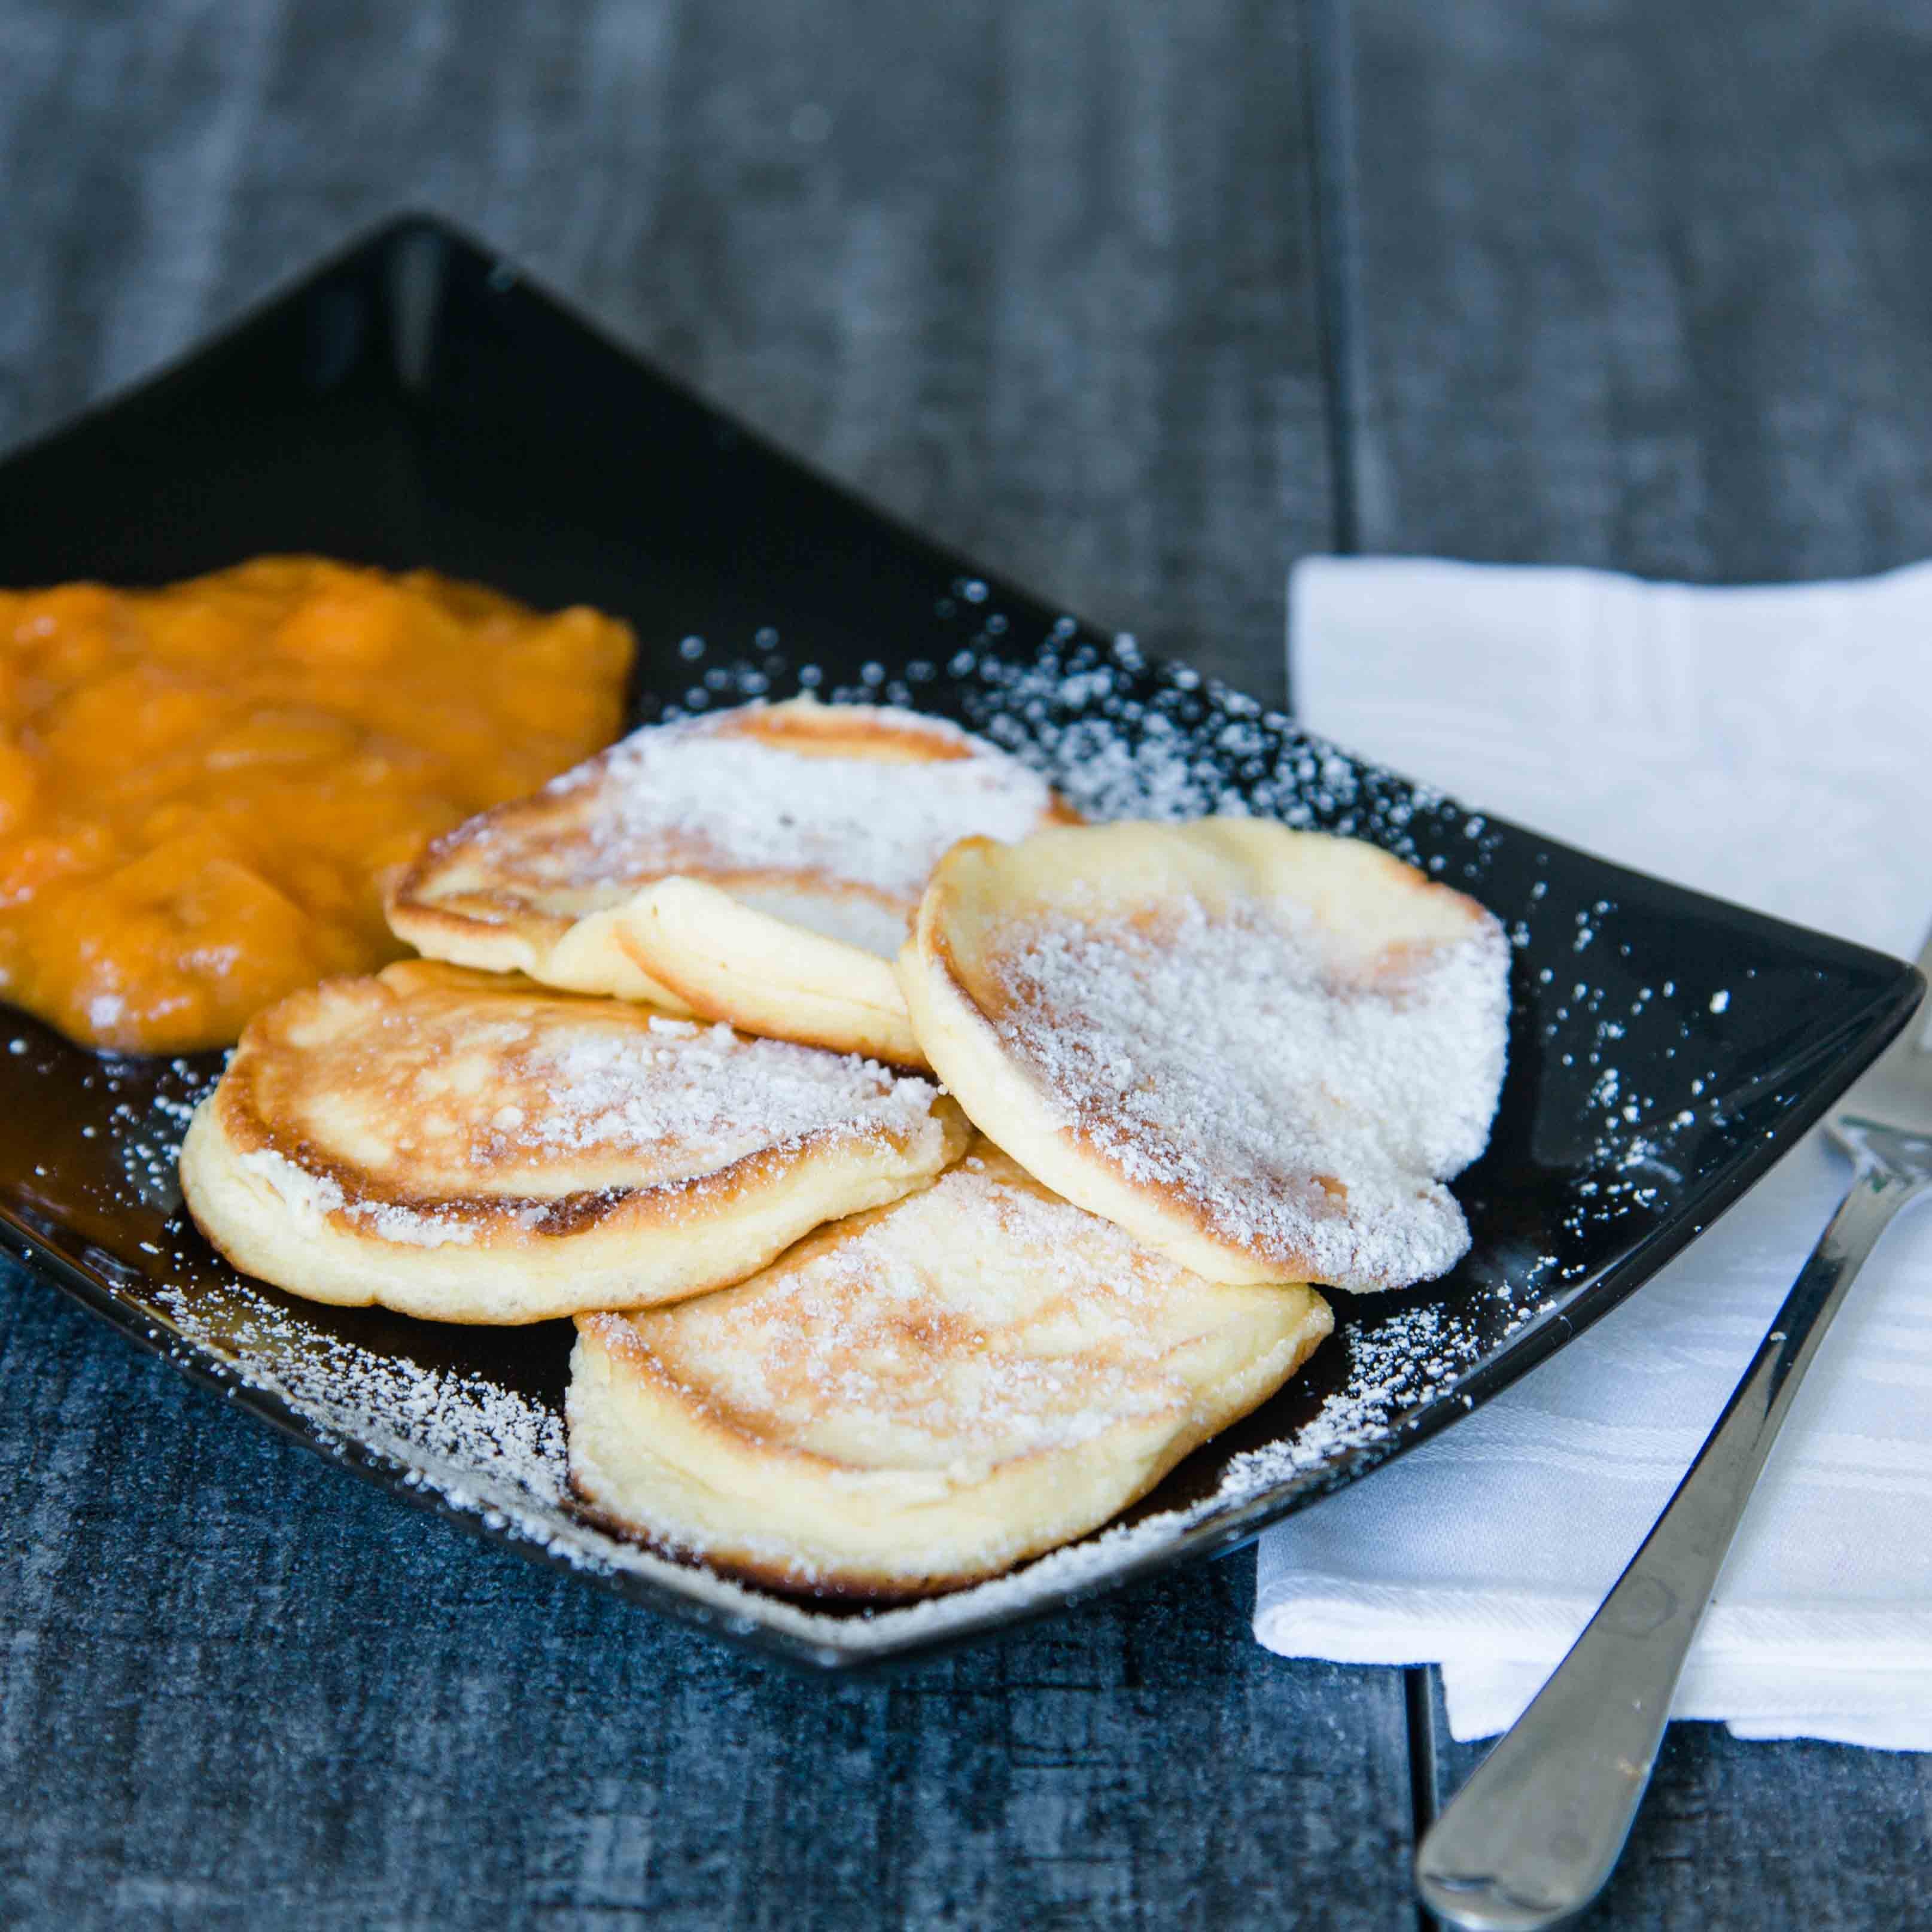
[240,1688]
[1799,1833]
[1638,285]
[1040,280]
[1643,286]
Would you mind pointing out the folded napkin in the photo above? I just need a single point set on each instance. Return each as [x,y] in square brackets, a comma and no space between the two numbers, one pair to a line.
[1773,746]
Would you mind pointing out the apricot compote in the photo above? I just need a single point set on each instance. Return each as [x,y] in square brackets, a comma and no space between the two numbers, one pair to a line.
[205,789]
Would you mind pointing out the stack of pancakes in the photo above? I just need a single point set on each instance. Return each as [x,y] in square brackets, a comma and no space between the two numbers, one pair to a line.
[672,1065]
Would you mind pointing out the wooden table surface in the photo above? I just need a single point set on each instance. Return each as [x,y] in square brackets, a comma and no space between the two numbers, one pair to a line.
[1138,302]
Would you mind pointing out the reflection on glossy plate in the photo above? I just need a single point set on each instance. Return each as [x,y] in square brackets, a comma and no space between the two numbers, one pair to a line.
[414,403]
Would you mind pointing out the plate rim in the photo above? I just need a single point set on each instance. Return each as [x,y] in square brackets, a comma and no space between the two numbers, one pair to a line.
[1864,1033]
[1883,1017]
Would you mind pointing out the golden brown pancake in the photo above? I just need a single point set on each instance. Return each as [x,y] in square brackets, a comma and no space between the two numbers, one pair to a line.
[1260,1051]
[758,865]
[471,1147]
[921,1397]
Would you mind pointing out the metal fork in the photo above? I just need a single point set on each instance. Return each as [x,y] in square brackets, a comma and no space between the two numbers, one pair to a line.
[1535,1833]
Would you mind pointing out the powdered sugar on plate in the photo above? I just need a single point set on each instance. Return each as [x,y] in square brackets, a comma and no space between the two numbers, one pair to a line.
[497,1456]
[1621,1128]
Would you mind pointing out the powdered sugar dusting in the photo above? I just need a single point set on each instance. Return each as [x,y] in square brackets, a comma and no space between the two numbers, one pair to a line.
[1233,1061]
[704,1098]
[498,1456]
[479,1446]
[703,795]
[1117,738]
[316,1195]
[461,1098]
[981,1320]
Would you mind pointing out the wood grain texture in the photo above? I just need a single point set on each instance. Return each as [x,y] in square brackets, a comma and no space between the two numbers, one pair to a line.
[240,1688]
[1640,287]
[1731,1833]
[1039,280]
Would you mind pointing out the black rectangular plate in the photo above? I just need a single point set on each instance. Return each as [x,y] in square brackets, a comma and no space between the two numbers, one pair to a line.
[415,402]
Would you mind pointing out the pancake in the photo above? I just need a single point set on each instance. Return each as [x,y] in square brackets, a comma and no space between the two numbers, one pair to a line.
[759,866]
[1260,1051]
[469,1148]
[920,1397]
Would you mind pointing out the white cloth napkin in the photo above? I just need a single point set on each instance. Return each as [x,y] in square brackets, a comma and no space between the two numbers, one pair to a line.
[1774,746]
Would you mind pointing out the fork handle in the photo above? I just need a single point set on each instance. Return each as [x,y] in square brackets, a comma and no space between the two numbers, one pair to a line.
[1534,1833]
